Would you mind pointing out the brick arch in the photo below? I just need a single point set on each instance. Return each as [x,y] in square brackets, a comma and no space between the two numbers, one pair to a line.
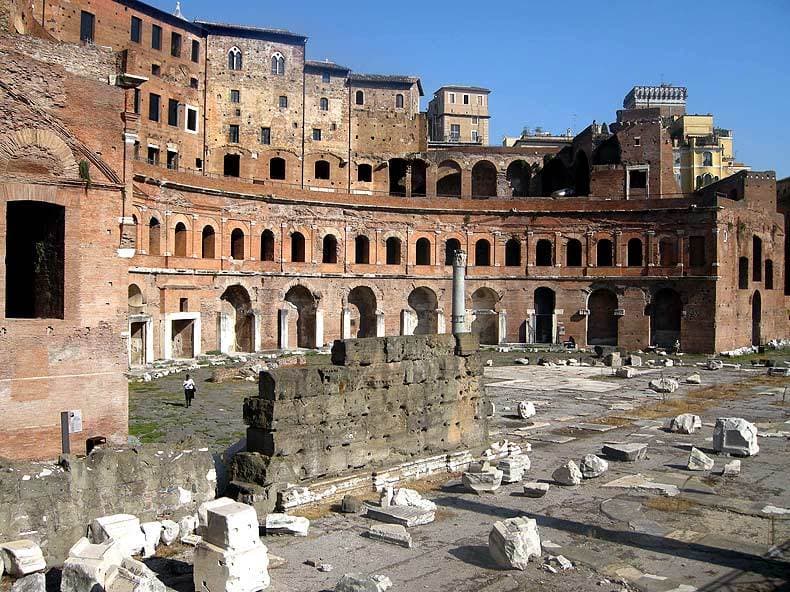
[379,293]
[41,151]
[317,294]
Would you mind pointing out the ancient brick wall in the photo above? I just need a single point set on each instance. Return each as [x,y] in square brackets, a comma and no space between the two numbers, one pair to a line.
[383,401]
[53,504]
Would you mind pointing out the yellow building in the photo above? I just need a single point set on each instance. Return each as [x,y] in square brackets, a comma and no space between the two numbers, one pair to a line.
[459,115]
[702,153]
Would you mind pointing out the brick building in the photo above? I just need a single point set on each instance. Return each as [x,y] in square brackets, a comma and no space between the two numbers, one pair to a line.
[243,197]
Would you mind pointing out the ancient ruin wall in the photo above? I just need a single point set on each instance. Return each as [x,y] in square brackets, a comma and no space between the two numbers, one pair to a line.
[381,402]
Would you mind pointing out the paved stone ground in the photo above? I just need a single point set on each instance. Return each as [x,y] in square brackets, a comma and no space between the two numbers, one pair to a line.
[712,536]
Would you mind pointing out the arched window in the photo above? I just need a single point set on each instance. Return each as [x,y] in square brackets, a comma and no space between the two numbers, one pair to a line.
[364,173]
[359,98]
[278,64]
[450,247]
[297,247]
[769,274]
[362,249]
[329,249]
[707,159]
[423,252]
[321,169]
[512,253]
[323,104]
[698,182]
[635,253]
[277,168]
[543,253]
[393,251]
[267,245]
[234,58]
[154,237]
[482,253]
[399,101]
[180,242]
[207,242]
[573,253]
[757,259]
[707,179]
[237,244]
[604,253]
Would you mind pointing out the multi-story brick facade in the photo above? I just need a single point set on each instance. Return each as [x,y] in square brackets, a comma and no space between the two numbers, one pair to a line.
[327,215]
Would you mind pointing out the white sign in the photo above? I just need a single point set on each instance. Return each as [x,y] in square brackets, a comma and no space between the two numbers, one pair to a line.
[75,421]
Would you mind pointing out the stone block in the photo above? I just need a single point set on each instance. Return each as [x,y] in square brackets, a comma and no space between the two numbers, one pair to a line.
[170,532]
[36,582]
[613,360]
[404,515]
[133,576]
[736,436]
[512,542]
[625,452]
[567,474]
[664,385]
[123,528]
[484,481]
[89,565]
[203,509]
[152,532]
[409,497]
[284,524]
[223,570]
[231,526]
[350,505]
[466,344]
[362,583]
[535,489]
[731,469]
[513,468]
[391,533]
[593,466]
[634,360]
[526,409]
[359,352]
[188,525]
[694,378]
[22,557]
[625,372]
[699,461]
[685,423]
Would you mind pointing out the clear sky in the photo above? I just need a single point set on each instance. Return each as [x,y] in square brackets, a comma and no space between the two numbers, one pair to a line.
[560,64]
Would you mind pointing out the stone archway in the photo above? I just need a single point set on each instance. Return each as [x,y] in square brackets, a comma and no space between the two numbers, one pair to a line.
[362,307]
[545,302]
[425,304]
[485,323]
[303,323]
[237,321]
[757,318]
[666,313]
[602,323]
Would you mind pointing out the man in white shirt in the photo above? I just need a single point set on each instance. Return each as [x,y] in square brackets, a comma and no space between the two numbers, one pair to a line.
[189,390]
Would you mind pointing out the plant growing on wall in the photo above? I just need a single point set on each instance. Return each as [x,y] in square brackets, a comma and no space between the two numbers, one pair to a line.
[85,172]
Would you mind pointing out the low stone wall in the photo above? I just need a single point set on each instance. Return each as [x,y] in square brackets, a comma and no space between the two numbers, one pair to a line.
[52,504]
[383,401]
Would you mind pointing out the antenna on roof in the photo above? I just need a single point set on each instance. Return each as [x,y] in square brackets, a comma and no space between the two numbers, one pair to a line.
[177,12]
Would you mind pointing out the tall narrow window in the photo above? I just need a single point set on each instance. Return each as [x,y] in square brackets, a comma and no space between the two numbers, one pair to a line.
[743,273]
[283,102]
[207,242]
[136,106]
[154,237]
[361,249]
[235,96]
[512,253]
[172,112]
[393,251]
[278,64]
[267,245]
[137,28]
[317,134]
[191,123]
[399,101]
[175,45]
[266,135]
[153,107]
[156,37]
[573,253]
[180,246]
[87,27]
[359,98]
[323,104]
[237,244]
[423,252]
[757,259]
[329,250]
[233,134]
[326,77]
[234,58]
[297,247]
[544,253]
[195,51]
[35,261]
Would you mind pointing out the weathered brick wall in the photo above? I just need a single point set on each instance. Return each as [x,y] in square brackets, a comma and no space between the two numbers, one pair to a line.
[383,401]
[53,504]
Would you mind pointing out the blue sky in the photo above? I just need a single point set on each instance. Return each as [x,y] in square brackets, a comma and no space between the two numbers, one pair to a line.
[560,64]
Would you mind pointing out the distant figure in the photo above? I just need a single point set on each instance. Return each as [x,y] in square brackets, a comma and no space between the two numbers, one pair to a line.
[189,390]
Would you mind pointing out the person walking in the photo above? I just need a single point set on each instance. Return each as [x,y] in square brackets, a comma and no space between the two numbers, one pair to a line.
[189,390]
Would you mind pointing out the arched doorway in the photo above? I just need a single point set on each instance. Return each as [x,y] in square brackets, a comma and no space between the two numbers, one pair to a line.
[483,179]
[362,305]
[545,302]
[393,247]
[138,327]
[482,253]
[519,176]
[423,252]
[757,318]
[207,241]
[666,312]
[397,173]
[329,249]
[601,322]
[237,324]
[486,320]
[451,245]
[303,303]
[237,244]
[424,303]
[418,177]
[448,179]
[180,242]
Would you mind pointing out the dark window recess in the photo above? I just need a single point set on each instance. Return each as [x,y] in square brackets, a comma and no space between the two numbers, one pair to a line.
[232,168]
[266,135]
[156,69]
[172,160]
[137,29]
[175,45]
[322,170]
[199,164]
[696,251]
[183,304]
[156,37]
[153,107]
[277,168]
[87,27]
[193,82]
[637,179]
[365,173]
[35,238]
[283,102]
[326,77]
[359,98]
[316,134]
[237,112]
[172,112]
[153,155]
[233,134]
[235,96]
[136,105]
[191,120]
[195,51]
[743,273]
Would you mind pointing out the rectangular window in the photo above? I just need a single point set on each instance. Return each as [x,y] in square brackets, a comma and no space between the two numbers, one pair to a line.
[193,82]
[316,134]
[452,98]
[475,120]
[172,112]
[233,134]
[697,251]
[199,164]
[172,160]
[326,77]
[474,135]
[266,135]
[466,99]
[192,125]
[637,179]
[137,29]
[153,107]
[156,69]
[87,26]
[637,141]
[455,132]
[235,96]
[153,155]
[156,37]
[136,106]
[479,99]
[34,260]
[175,45]
[195,50]
[283,102]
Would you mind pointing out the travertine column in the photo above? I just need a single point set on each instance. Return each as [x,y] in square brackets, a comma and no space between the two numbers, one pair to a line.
[459,292]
